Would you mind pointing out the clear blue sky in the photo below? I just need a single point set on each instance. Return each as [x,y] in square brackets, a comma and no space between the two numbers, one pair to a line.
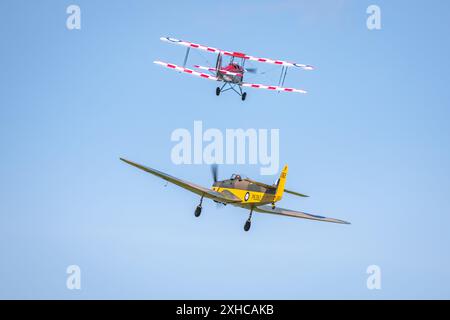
[369,144]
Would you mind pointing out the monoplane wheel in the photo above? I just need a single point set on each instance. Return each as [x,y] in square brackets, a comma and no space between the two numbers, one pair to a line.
[247,225]
[198,211]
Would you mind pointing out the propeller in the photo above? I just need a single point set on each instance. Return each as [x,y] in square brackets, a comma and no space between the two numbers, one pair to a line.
[251,70]
[214,170]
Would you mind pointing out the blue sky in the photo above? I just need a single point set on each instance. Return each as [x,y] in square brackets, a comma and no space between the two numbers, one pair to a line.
[369,144]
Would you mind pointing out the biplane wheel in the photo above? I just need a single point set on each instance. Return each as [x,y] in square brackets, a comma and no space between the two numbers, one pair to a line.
[198,211]
[218,91]
[244,95]
[247,225]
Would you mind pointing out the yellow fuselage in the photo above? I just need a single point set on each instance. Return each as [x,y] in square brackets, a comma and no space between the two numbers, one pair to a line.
[248,196]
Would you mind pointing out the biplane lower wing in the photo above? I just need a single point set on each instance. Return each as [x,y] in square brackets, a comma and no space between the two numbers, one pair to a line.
[280,63]
[201,191]
[186,70]
[272,88]
[296,214]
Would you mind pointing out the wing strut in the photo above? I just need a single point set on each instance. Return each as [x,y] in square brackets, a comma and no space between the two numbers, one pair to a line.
[186,56]
[283,74]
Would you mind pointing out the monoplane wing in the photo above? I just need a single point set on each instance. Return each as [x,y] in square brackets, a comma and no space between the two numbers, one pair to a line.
[186,70]
[296,214]
[207,193]
[273,88]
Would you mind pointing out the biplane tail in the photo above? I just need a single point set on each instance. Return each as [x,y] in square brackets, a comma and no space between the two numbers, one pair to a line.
[280,184]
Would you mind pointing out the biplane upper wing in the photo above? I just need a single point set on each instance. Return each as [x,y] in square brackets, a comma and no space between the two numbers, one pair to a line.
[191,45]
[280,62]
[236,54]
[186,70]
[296,214]
[207,193]
[273,88]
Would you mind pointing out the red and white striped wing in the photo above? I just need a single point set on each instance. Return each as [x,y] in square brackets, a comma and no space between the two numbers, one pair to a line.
[273,88]
[205,68]
[280,62]
[236,54]
[191,45]
[186,70]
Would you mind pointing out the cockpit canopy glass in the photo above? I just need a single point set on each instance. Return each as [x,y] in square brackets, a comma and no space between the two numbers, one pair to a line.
[235,176]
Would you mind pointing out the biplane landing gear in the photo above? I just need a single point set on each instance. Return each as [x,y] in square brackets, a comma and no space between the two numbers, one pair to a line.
[198,210]
[218,90]
[248,223]
[244,95]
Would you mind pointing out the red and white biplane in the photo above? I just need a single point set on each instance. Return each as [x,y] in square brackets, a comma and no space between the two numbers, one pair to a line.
[232,74]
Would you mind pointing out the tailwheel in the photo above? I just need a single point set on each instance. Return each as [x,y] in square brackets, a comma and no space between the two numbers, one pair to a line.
[244,95]
[247,225]
[198,211]
[218,91]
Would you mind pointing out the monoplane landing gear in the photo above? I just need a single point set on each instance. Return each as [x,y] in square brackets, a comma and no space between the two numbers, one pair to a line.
[244,95]
[248,223]
[198,210]
[218,90]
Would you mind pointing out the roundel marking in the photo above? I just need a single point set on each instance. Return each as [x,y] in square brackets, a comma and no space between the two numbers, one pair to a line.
[247,195]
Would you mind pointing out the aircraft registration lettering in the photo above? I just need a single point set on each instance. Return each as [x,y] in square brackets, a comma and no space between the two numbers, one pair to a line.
[256,197]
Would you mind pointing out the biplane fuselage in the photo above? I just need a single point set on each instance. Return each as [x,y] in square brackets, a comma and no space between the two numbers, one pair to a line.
[234,71]
[226,74]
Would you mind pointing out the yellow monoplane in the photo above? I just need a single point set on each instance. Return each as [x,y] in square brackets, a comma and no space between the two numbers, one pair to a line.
[241,192]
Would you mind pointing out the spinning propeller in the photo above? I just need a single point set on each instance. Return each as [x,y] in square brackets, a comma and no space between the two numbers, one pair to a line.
[251,70]
[214,170]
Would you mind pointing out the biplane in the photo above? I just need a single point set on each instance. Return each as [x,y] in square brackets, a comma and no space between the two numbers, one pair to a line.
[241,192]
[232,71]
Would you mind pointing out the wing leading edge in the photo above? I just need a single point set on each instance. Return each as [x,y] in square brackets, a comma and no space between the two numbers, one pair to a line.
[296,214]
[201,191]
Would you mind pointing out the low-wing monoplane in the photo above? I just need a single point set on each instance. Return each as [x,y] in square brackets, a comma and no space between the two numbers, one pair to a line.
[241,192]
[232,71]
